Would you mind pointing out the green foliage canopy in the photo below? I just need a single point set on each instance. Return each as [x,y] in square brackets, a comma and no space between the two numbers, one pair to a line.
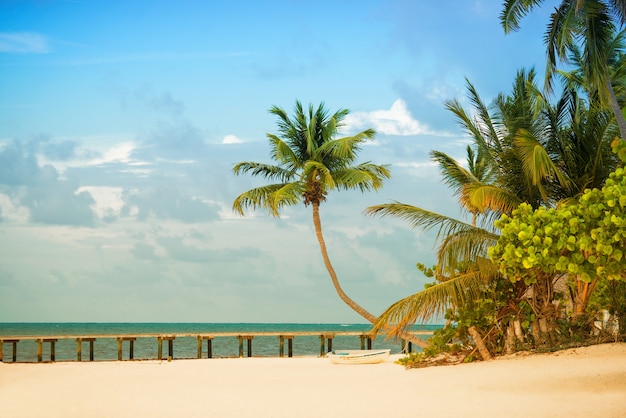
[583,240]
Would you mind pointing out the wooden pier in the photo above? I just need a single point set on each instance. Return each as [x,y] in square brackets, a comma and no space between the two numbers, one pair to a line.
[325,338]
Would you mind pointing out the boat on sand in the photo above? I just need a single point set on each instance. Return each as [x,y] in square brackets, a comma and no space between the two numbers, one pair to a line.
[358,356]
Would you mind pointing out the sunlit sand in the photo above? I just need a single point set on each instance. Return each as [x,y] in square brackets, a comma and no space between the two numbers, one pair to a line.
[582,382]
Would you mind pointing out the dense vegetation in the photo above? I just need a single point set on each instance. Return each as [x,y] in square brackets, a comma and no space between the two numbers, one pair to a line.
[540,265]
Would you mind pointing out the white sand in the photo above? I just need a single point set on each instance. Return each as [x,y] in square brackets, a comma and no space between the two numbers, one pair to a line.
[583,382]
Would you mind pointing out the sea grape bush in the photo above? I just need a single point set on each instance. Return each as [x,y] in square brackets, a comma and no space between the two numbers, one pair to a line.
[583,240]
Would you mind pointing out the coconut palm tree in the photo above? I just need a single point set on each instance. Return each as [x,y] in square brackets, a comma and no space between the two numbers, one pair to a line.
[588,23]
[311,161]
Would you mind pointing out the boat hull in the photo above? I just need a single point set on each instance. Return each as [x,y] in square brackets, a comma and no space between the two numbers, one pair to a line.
[359,356]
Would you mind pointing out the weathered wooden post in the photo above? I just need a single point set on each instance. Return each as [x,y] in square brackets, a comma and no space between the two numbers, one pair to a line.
[14,344]
[248,338]
[79,349]
[328,337]
[91,340]
[119,348]
[281,339]
[40,342]
[170,346]
[209,347]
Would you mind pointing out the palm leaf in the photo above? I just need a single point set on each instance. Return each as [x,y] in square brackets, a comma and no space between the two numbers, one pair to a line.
[459,250]
[418,218]
[268,171]
[513,11]
[536,162]
[489,197]
[283,153]
[365,177]
[271,197]
[434,300]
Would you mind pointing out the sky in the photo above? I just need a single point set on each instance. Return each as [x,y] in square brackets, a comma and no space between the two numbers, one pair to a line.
[120,123]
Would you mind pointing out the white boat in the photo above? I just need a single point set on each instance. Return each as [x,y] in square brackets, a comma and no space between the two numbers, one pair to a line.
[359,356]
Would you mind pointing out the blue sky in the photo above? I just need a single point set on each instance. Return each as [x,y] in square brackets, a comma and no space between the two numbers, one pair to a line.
[120,123]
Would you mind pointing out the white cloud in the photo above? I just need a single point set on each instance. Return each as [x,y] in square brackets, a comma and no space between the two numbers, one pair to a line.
[118,153]
[108,200]
[231,139]
[25,42]
[395,121]
[12,212]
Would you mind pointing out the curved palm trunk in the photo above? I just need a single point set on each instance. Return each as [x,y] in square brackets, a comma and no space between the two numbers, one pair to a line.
[333,276]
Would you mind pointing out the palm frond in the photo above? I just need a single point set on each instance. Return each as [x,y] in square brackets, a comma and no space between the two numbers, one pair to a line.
[365,177]
[271,197]
[559,38]
[536,162]
[418,218]
[454,174]
[598,33]
[434,300]
[268,171]
[281,152]
[490,197]
[346,149]
[513,11]
[459,250]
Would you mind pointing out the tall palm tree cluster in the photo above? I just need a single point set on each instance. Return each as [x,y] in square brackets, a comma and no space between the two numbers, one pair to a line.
[525,149]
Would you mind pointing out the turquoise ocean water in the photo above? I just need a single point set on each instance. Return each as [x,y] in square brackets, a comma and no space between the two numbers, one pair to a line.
[184,347]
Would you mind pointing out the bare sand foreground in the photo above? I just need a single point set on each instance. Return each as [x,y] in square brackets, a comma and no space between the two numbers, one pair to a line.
[582,382]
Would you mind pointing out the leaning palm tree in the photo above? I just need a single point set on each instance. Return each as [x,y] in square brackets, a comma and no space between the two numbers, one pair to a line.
[588,23]
[312,161]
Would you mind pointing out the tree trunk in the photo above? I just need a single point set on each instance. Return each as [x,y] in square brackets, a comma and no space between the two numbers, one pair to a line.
[617,110]
[581,298]
[480,344]
[344,297]
[534,329]
[518,331]
[509,343]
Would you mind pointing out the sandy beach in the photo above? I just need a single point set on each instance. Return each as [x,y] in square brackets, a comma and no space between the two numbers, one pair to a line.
[582,382]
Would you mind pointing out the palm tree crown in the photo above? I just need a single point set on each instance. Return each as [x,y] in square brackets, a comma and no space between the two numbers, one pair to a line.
[311,162]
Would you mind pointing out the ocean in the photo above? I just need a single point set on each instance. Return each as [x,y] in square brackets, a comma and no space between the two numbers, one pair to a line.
[105,349]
